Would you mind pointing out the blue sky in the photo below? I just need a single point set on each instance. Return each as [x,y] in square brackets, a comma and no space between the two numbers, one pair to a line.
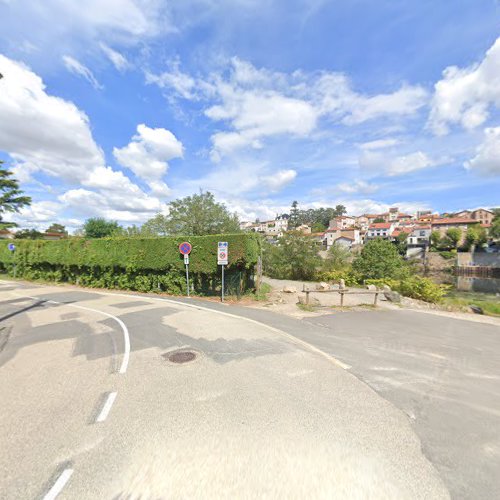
[114,107]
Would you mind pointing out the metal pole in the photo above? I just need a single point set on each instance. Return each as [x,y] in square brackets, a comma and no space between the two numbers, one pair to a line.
[187,278]
[222,291]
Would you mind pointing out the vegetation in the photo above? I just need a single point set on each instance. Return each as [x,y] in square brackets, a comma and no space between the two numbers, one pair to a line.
[294,257]
[318,218]
[379,259]
[196,215]
[495,225]
[401,243]
[11,197]
[56,228]
[475,236]
[97,227]
[489,303]
[454,235]
[435,239]
[415,287]
[135,263]
[28,234]
[337,259]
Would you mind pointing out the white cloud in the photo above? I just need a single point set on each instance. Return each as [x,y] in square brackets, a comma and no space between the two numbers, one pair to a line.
[487,159]
[464,95]
[257,104]
[42,131]
[119,61]
[379,144]
[77,68]
[358,186]
[149,151]
[278,180]
[384,164]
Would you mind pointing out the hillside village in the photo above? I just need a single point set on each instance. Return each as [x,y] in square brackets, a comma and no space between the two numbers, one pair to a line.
[353,231]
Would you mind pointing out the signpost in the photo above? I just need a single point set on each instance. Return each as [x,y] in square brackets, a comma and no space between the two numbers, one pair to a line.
[222,260]
[185,249]
[12,248]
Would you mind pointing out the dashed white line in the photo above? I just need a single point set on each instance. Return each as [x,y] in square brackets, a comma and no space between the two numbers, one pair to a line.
[59,484]
[107,407]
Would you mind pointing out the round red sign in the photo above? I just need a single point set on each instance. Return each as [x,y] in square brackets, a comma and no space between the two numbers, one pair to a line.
[185,248]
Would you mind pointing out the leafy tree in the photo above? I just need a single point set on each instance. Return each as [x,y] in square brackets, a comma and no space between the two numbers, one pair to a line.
[378,220]
[495,225]
[401,242]
[28,234]
[294,221]
[475,236]
[56,228]
[337,258]
[98,227]
[11,197]
[195,215]
[379,259]
[294,257]
[454,235]
[318,227]
[340,210]
[435,239]
[157,226]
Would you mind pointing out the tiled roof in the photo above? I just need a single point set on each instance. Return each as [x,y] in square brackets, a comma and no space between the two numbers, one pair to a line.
[453,220]
[380,225]
[345,238]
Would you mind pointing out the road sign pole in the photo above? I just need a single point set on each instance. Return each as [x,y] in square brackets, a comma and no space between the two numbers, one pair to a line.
[222,291]
[187,278]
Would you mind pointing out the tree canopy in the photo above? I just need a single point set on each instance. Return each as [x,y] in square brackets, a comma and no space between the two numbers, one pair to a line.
[196,215]
[98,227]
[56,228]
[316,217]
[379,259]
[11,197]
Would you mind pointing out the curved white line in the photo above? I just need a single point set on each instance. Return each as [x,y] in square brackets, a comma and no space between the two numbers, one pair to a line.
[59,484]
[126,336]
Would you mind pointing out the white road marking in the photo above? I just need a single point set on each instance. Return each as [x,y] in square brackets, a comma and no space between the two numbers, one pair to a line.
[59,484]
[126,336]
[107,407]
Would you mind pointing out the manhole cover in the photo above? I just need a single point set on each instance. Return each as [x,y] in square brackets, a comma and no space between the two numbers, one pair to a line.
[180,356]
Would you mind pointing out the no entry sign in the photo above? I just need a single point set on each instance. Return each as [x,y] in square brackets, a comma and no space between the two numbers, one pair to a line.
[185,248]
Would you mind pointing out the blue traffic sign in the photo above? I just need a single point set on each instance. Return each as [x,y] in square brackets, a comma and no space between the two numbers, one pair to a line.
[11,247]
[185,248]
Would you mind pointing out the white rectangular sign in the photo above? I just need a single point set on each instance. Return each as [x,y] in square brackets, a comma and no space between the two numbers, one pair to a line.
[222,253]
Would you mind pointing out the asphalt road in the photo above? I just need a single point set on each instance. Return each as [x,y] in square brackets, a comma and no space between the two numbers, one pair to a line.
[91,408]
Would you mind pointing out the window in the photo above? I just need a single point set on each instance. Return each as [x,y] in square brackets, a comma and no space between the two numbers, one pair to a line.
[422,233]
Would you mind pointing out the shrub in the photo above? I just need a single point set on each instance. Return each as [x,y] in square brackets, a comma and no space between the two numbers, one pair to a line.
[414,287]
[379,259]
[347,274]
[143,264]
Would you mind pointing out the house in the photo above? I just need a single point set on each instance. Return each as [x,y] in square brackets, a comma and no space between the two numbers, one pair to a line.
[304,229]
[442,225]
[344,241]
[49,235]
[483,216]
[331,236]
[362,222]
[418,241]
[380,230]
[5,234]
[342,222]
[246,226]
[281,222]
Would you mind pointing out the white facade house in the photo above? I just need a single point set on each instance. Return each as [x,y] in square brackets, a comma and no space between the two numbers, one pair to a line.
[343,222]
[331,236]
[380,230]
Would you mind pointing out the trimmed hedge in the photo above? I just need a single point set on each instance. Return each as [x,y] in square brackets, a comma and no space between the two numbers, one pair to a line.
[134,263]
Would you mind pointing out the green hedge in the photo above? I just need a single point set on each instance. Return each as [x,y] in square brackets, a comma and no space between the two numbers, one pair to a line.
[134,263]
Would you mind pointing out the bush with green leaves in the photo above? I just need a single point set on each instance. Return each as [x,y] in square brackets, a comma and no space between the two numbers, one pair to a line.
[347,274]
[415,287]
[380,259]
[143,264]
[295,256]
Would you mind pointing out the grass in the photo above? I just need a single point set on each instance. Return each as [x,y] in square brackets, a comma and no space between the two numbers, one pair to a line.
[488,302]
[306,307]
[261,294]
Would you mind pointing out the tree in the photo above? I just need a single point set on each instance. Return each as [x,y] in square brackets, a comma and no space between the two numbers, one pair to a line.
[294,257]
[56,228]
[495,225]
[196,215]
[435,239]
[337,258]
[379,259]
[98,227]
[318,227]
[340,210]
[11,197]
[378,220]
[157,226]
[454,235]
[475,236]
[401,242]
[28,234]
[293,221]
